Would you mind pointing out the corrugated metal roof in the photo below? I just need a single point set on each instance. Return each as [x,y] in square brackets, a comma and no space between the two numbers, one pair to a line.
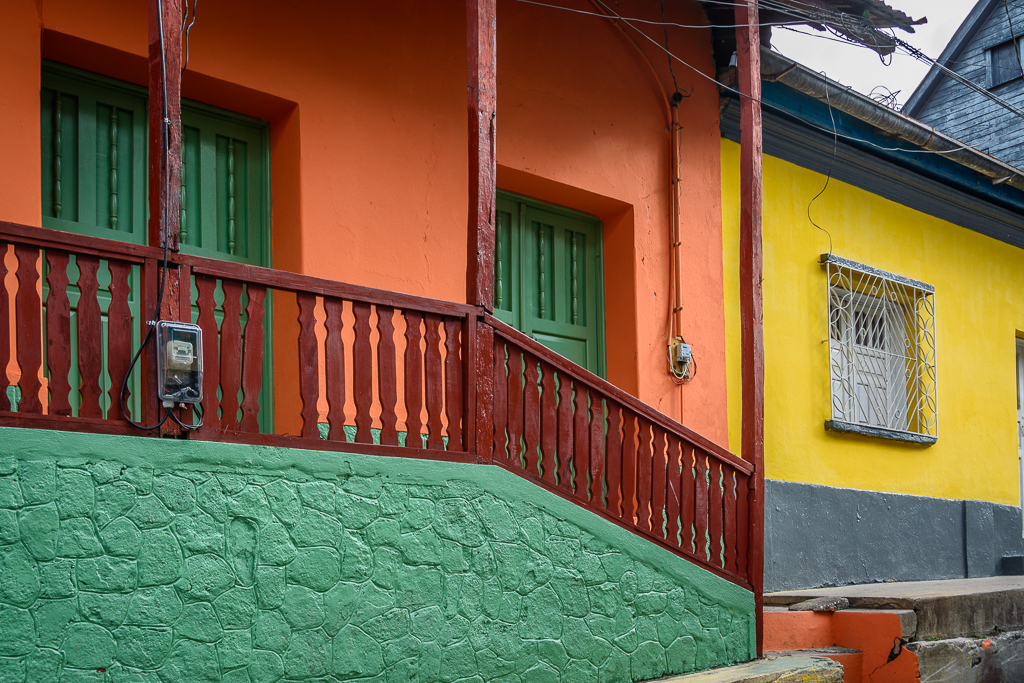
[877,12]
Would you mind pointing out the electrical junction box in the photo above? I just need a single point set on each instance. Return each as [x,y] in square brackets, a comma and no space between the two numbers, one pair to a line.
[682,354]
[179,362]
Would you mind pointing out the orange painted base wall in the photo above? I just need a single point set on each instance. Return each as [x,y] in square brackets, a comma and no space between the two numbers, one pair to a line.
[367,110]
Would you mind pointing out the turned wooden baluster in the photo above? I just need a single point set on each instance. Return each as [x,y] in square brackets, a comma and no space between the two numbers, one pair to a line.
[5,329]
[90,348]
[629,457]
[453,381]
[515,406]
[596,454]
[613,460]
[565,450]
[715,521]
[531,416]
[58,332]
[580,452]
[207,321]
[688,501]
[334,364]
[645,469]
[413,380]
[658,483]
[230,353]
[387,376]
[29,340]
[252,358]
[501,443]
[119,336]
[309,365]
[548,424]
[434,379]
[729,513]
[701,478]
[362,372]
[673,486]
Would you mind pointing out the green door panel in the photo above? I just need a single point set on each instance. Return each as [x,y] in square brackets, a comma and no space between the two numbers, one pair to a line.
[225,186]
[573,349]
[548,277]
[93,135]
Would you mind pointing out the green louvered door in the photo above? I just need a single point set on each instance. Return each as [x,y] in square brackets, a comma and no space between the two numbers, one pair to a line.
[93,154]
[224,186]
[548,277]
[94,175]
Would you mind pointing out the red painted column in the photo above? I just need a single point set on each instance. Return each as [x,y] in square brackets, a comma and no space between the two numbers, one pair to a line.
[482,94]
[748,53]
[164,179]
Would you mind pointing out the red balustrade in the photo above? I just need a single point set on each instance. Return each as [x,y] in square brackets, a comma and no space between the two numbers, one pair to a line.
[372,371]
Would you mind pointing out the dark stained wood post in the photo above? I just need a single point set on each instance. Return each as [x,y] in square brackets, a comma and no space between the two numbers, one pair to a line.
[164,176]
[482,93]
[478,342]
[748,53]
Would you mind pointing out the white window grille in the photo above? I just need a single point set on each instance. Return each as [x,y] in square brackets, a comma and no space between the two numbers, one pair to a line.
[881,352]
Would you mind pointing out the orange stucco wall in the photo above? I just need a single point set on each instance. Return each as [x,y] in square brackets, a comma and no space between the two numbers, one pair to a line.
[367,108]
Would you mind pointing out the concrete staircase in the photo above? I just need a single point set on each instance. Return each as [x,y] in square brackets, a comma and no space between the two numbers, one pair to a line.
[957,631]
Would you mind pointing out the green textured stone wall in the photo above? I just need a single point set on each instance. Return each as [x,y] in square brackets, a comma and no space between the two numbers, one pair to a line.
[148,560]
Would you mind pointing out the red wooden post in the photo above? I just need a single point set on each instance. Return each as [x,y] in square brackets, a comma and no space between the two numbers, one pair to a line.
[748,53]
[482,93]
[164,169]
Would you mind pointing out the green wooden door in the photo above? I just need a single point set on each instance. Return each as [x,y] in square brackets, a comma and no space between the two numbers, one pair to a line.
[548,277]
[94,176]
[93,154]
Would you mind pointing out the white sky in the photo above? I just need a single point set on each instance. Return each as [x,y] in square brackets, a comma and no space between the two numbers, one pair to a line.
[861,68]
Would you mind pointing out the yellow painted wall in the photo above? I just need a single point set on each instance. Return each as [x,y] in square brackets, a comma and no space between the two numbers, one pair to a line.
[979,302]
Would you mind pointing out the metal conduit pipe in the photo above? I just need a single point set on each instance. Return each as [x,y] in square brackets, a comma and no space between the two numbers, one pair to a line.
[775,67]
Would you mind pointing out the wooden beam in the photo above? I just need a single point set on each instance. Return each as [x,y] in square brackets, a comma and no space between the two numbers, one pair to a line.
[482,93]
[164,121]
[164,183]
[748,53]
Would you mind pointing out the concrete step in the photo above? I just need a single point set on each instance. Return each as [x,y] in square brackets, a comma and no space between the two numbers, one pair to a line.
[944,609]
[861,640]
[971,660]
[771,669]
[852,660]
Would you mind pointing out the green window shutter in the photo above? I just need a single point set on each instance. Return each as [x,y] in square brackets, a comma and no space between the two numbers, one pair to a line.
[548,277]
[94,168]
[225,185]
[93,135]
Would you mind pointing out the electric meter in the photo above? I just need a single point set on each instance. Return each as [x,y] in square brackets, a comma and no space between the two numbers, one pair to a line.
[179,362]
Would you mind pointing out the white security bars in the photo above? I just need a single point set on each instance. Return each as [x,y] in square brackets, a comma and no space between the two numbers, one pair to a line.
[881,352]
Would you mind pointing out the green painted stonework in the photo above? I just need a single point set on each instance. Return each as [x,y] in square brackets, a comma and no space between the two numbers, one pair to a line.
[157,561]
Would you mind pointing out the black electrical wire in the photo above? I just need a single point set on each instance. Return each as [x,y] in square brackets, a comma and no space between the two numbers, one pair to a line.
[188,29]
[1016,46]
[671,69]
[166,133]
[831,165]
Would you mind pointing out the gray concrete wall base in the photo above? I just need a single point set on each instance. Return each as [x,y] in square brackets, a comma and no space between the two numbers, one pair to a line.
[971,660]
[828,536]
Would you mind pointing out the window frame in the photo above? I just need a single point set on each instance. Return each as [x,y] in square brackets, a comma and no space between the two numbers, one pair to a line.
[514,258]
[865,391]
[129,96]
[994,80]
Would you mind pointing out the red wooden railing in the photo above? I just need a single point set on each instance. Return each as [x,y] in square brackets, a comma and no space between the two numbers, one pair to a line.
[576,434]
[374,372]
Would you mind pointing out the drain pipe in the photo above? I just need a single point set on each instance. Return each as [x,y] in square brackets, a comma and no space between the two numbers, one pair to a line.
[775,67]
